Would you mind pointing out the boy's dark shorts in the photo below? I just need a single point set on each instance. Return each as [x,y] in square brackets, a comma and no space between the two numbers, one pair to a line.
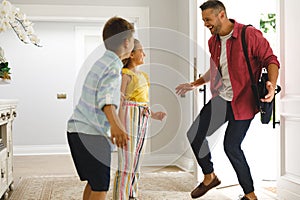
[92,156]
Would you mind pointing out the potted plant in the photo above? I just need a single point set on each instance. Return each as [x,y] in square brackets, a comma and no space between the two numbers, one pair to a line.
[4,69]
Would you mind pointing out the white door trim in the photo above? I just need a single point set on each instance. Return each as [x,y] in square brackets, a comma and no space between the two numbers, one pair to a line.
[289,175]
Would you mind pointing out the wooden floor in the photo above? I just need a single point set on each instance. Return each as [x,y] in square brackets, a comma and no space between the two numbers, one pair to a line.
[56,165]
[42,165]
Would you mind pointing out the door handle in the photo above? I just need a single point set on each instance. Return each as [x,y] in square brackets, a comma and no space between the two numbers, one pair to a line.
[203,89]
[277,90]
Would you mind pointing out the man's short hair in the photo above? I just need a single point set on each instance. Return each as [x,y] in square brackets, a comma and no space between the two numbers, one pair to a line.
[115,31]
[213,4]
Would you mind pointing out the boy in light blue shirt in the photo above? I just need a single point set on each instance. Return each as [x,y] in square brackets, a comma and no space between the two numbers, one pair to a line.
[94,122]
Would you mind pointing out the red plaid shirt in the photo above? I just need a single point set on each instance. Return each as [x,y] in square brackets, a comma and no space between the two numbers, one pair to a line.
[260,55]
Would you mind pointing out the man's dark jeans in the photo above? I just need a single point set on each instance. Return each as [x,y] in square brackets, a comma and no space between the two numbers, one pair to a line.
[212,116]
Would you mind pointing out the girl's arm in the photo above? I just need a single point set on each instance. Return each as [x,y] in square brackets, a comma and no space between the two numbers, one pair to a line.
[125,80]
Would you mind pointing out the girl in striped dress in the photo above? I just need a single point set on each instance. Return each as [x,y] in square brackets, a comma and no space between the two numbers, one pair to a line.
[134,114]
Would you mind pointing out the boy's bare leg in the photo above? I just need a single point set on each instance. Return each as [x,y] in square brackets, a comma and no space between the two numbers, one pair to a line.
[87,191]
[88,194]
[98,195]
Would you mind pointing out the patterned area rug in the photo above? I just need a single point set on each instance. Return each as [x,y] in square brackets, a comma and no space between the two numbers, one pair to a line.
[152,186]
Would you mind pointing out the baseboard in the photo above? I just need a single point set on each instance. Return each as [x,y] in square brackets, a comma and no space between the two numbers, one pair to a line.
[187,164]
[20,150]
[182,162]
[288,187]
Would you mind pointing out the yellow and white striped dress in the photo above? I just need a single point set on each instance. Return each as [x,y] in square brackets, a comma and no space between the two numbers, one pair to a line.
[135,117]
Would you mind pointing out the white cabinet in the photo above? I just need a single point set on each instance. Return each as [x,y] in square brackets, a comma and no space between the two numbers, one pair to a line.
[7,116]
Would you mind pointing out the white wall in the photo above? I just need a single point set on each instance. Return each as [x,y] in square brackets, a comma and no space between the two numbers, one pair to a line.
[38,74]
[171,47]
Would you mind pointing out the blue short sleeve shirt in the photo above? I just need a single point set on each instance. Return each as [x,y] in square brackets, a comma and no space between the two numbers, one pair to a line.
[101,87]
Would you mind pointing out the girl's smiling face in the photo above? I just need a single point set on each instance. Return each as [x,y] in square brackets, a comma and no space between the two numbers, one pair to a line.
[138,54]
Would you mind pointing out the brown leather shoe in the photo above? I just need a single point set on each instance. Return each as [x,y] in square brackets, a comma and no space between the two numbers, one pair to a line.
[202,189]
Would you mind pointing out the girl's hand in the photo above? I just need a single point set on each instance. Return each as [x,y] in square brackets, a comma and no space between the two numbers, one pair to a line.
[158,115]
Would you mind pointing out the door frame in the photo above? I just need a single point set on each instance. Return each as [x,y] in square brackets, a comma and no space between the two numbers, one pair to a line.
[289,176]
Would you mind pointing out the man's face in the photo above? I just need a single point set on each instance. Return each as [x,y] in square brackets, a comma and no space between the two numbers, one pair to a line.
[211,19]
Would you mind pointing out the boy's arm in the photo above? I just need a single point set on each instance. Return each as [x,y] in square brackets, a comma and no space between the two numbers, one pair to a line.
[118,133]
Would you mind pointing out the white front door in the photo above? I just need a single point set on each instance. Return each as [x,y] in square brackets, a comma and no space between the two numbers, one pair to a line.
[289,176]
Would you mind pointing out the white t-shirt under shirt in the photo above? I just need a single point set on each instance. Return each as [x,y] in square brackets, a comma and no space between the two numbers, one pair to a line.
[226,89]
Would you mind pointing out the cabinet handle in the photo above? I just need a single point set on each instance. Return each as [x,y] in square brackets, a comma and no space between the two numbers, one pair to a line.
[2,116]
[8,115]
[2,173]
[14,113]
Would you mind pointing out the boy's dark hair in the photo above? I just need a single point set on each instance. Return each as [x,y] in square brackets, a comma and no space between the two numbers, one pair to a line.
[214,4]
[115,31]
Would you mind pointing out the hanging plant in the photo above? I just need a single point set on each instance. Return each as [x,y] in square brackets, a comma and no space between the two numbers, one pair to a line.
[12,17]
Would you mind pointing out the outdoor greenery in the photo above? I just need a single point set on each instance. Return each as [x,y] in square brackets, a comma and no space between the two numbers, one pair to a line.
[268,22]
